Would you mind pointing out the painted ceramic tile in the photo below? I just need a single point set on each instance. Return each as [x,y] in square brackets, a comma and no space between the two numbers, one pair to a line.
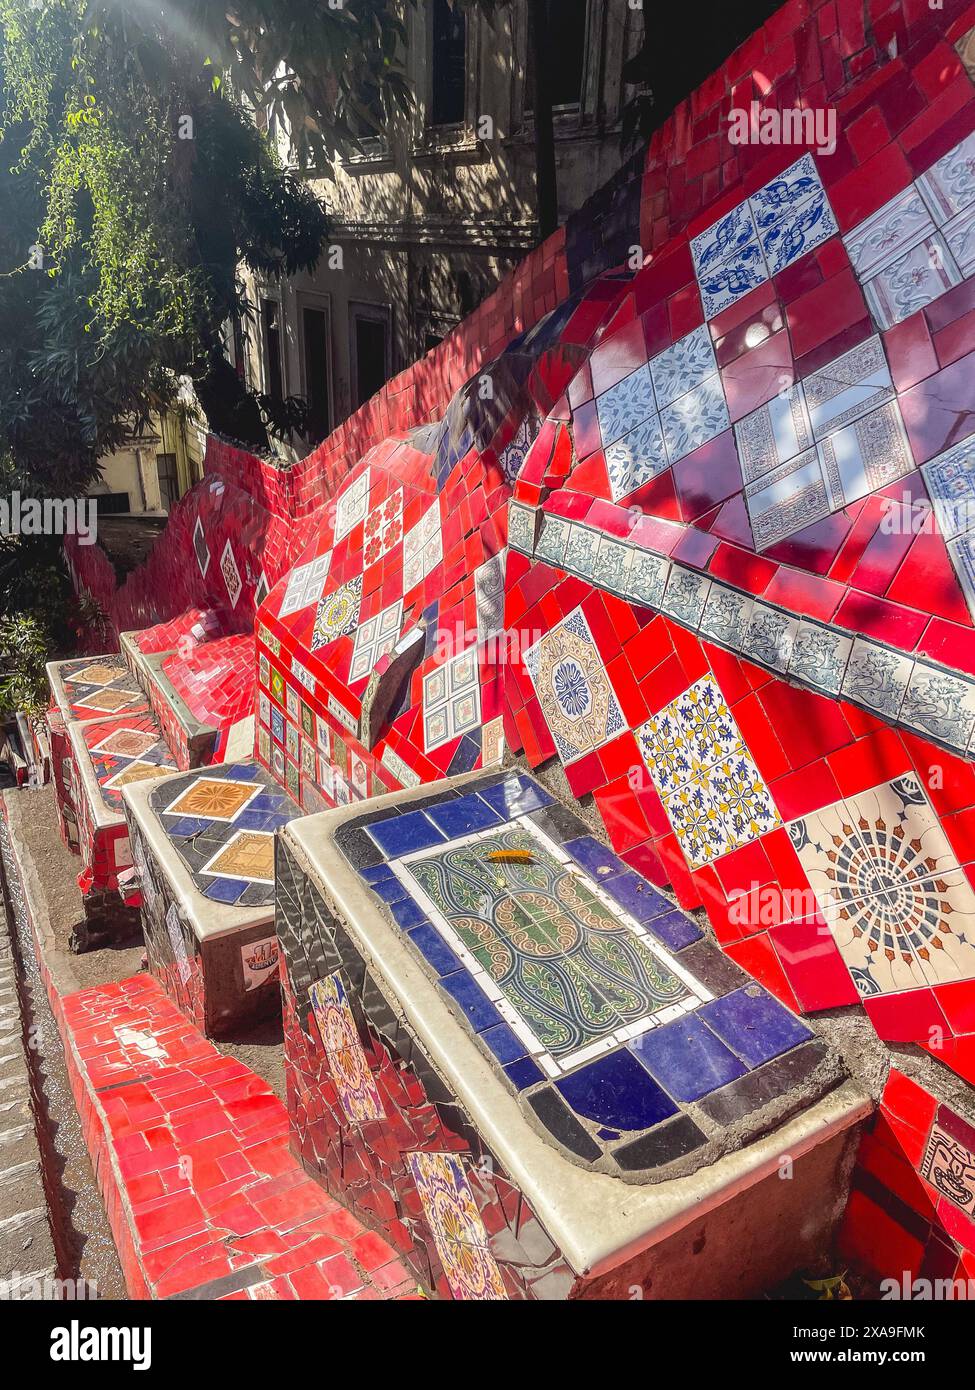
[773,434]
[292,703]
[305,585]
[521,527]
[949,185]
[770,637]
[787,500]
[646,577]
[612,564]
[451,699]
[625,405]
[138,771]
[685,595]
[961,551]
[850,386]
[213,798]
[889,886]
[574,691]
[357,1090]
[728,237]
[877,677]
[694,418]
[303,676]
[351,505]
[489,596]
[384,528]
[681,367]
[940,704]
[909,283]
[865,456]
[512,456]
[788,191]
[455,1223]
[727,281]
[126,743]
[889,233]
[726,615]
[249,854]
[819,656]
[374,638]
[338,614]
[800,230]
[552,536]
[231,574]
[538,938]
[959,235]
[712,791]
[422,548]
[581,550]
[950,481]
[949,1161]
[636,458]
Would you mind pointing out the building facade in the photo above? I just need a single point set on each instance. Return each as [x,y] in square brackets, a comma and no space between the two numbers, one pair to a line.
[426,218]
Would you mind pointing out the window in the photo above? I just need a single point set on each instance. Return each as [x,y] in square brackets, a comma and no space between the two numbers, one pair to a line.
[565,54]
[271,325]
[168,476]
[314,337]
[448,66]
[371,367]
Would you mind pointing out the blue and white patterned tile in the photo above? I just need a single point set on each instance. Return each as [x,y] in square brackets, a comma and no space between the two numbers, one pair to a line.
[724,240]
[819,656]
[787,500]
[612,564]
[727,281]
[950,481]
[685,595]
[962,553]
[770,637]
[581,549]
[877,676]
[949,185]
[847,387]
[940,705]
[726,615]
[646,577]
[625,405]
[636,458]
[801,230]
[910,283]
[773,434]
[574,691]
[694,418]
[959,235]
[552,537]
[786,192]
[686,364]
[889,232]
[868,455]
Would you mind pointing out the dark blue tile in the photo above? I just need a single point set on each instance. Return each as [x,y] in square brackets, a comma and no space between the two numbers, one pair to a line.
[515,796]
[464,815]
[177,828]
[239,772]
[637,897]
[389,888]
[617,1091]
[503,1043]
[753,1024]
[407,913]
[432,945]
[402,834]
[594,857]
[686,1058]
[523,1073]
[226,890]
[674,929]
[265,801]
[477,1007]
[252,820]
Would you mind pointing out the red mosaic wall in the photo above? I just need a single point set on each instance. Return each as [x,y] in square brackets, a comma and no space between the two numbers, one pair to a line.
[741,594]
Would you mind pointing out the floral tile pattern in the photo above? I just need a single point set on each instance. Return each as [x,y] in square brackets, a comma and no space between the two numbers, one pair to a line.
[384,528]
[337,614]
[452,1213]
[710,787]
[580,706]
[626,405]
[489,596]
[357,1091]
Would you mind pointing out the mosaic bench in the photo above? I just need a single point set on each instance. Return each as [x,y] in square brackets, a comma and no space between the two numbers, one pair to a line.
[512,1055]
[193,743]
[203,847]
[107,755]
[94,687]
